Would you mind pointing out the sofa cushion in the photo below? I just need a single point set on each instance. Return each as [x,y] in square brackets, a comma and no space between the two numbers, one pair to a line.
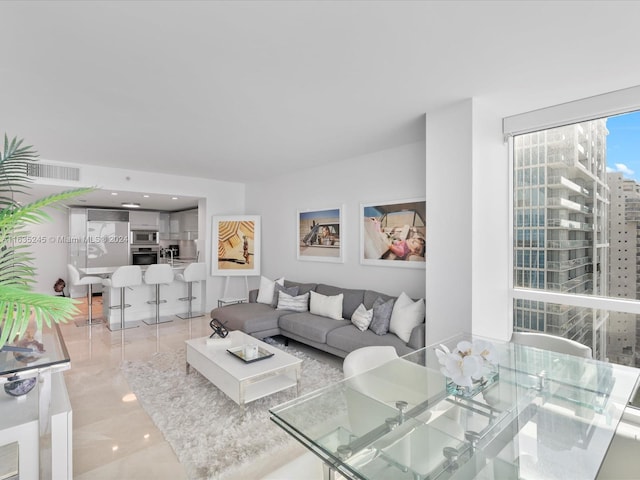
[382,310]
[352,298]
[267,286]
[248,317]
[302,287]
[277,288]
[308,325]
[406,315]
[326,306]
[362,317]
[349,338]
[370,296]
[299,303]
[418,337]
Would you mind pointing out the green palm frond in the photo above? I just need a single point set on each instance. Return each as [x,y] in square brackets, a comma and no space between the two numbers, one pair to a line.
[18,306]
[14,169]
[14,264]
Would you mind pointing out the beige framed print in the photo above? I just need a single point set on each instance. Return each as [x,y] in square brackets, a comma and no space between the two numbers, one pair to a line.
[236,245]
[393,234]
[320,235]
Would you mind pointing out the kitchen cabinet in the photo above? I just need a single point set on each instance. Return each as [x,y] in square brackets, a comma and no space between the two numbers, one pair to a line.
[140,220]
[165,226]
[184,225]
[190,221]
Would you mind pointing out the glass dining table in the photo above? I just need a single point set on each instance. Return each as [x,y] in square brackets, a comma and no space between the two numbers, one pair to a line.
[536,415]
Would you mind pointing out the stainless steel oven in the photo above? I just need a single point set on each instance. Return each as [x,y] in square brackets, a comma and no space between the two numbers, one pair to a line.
[144,255]
[144,237]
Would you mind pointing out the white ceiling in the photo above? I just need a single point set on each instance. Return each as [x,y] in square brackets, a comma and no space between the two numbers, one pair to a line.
[242,91]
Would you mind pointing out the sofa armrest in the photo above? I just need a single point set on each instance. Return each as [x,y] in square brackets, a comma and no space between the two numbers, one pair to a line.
[253,295]
[418,339]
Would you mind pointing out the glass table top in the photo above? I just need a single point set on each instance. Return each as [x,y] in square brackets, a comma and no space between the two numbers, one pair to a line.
[544,415]
[36,350]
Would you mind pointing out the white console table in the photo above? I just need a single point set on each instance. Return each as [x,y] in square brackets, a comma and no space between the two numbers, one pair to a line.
[37,426]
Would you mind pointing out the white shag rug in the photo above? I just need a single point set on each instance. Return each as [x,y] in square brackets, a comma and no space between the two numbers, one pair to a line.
[207,430]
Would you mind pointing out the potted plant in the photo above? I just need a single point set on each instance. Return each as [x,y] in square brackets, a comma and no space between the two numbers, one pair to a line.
[18,303]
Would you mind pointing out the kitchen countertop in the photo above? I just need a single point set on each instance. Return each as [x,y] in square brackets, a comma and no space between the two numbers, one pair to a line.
[109,270]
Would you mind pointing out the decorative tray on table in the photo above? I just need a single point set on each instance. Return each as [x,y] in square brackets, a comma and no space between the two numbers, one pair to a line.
[247,356]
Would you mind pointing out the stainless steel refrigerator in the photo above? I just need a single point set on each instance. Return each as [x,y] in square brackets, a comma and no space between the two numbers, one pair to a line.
[107,239]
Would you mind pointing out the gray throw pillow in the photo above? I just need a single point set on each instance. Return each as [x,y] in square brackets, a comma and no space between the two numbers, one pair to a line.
[382,311]
[293,291]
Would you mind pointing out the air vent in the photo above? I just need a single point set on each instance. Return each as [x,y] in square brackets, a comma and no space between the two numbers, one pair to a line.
[46,170]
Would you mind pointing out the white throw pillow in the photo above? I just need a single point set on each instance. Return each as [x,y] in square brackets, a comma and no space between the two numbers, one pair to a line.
[362,317]
[298,303]
[265,293]
[326,306]
[406,315]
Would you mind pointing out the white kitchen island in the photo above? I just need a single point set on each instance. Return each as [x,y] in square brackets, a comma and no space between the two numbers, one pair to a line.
[138,297]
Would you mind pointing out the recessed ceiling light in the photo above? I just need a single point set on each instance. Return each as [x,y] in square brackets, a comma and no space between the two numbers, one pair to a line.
[130,205]
[174,198]
[145,196]
[114,193]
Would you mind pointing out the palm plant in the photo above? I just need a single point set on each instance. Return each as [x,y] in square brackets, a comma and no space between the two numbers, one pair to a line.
[18,304]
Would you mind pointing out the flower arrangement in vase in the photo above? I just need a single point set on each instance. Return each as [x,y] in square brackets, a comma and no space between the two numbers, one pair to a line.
[469,368]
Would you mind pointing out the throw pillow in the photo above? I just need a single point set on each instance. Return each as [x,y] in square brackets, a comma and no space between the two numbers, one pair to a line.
[326,306]
[406,315]
[293,291]
[381,316]
[265,293]
[289,302]
[362,317]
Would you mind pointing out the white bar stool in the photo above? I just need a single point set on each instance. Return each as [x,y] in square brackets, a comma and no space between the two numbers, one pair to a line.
[76,281]
[194,272]
[123,277]
[155,275]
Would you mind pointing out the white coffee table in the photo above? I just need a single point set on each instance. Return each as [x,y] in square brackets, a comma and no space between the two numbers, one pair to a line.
[240,381]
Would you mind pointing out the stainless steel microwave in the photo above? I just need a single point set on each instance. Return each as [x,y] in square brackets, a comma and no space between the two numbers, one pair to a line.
[144,237]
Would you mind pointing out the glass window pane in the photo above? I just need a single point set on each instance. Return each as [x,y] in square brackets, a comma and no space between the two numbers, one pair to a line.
[577,225]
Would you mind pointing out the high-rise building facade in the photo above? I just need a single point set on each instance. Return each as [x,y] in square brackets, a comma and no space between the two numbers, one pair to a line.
[560,228]
[624,266]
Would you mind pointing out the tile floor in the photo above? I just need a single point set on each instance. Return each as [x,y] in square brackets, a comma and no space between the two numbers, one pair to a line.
[113,437]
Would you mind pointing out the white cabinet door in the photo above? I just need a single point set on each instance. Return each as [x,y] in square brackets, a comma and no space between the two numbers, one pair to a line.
[165,226]
[190,221]
[144,220]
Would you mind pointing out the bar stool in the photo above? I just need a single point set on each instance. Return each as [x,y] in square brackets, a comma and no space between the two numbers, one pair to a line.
[123,277]
[155,275]
[194,272]
[76,281]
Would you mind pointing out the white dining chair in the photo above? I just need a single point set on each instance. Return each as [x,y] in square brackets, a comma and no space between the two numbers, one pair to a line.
[554,343]
[366,358]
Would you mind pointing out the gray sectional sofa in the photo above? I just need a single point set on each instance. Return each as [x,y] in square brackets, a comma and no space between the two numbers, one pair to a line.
[338,337]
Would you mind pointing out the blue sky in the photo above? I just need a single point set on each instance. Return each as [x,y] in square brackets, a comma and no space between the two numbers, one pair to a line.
[623,145]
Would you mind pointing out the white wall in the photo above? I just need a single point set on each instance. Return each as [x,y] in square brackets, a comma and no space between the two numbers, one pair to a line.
[388,175]
[491,247]
[449,210]
[218,198]
[48,252]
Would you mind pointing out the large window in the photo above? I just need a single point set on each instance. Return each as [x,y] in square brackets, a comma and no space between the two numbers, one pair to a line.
[576,234]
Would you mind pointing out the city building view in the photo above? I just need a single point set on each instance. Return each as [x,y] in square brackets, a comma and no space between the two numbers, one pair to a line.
[576,231]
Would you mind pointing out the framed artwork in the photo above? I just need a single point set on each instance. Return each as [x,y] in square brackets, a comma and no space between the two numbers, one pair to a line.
[393,234]
[236,245]
[320,235]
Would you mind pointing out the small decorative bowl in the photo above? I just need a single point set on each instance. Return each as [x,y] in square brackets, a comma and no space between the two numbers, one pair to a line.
[19,387]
